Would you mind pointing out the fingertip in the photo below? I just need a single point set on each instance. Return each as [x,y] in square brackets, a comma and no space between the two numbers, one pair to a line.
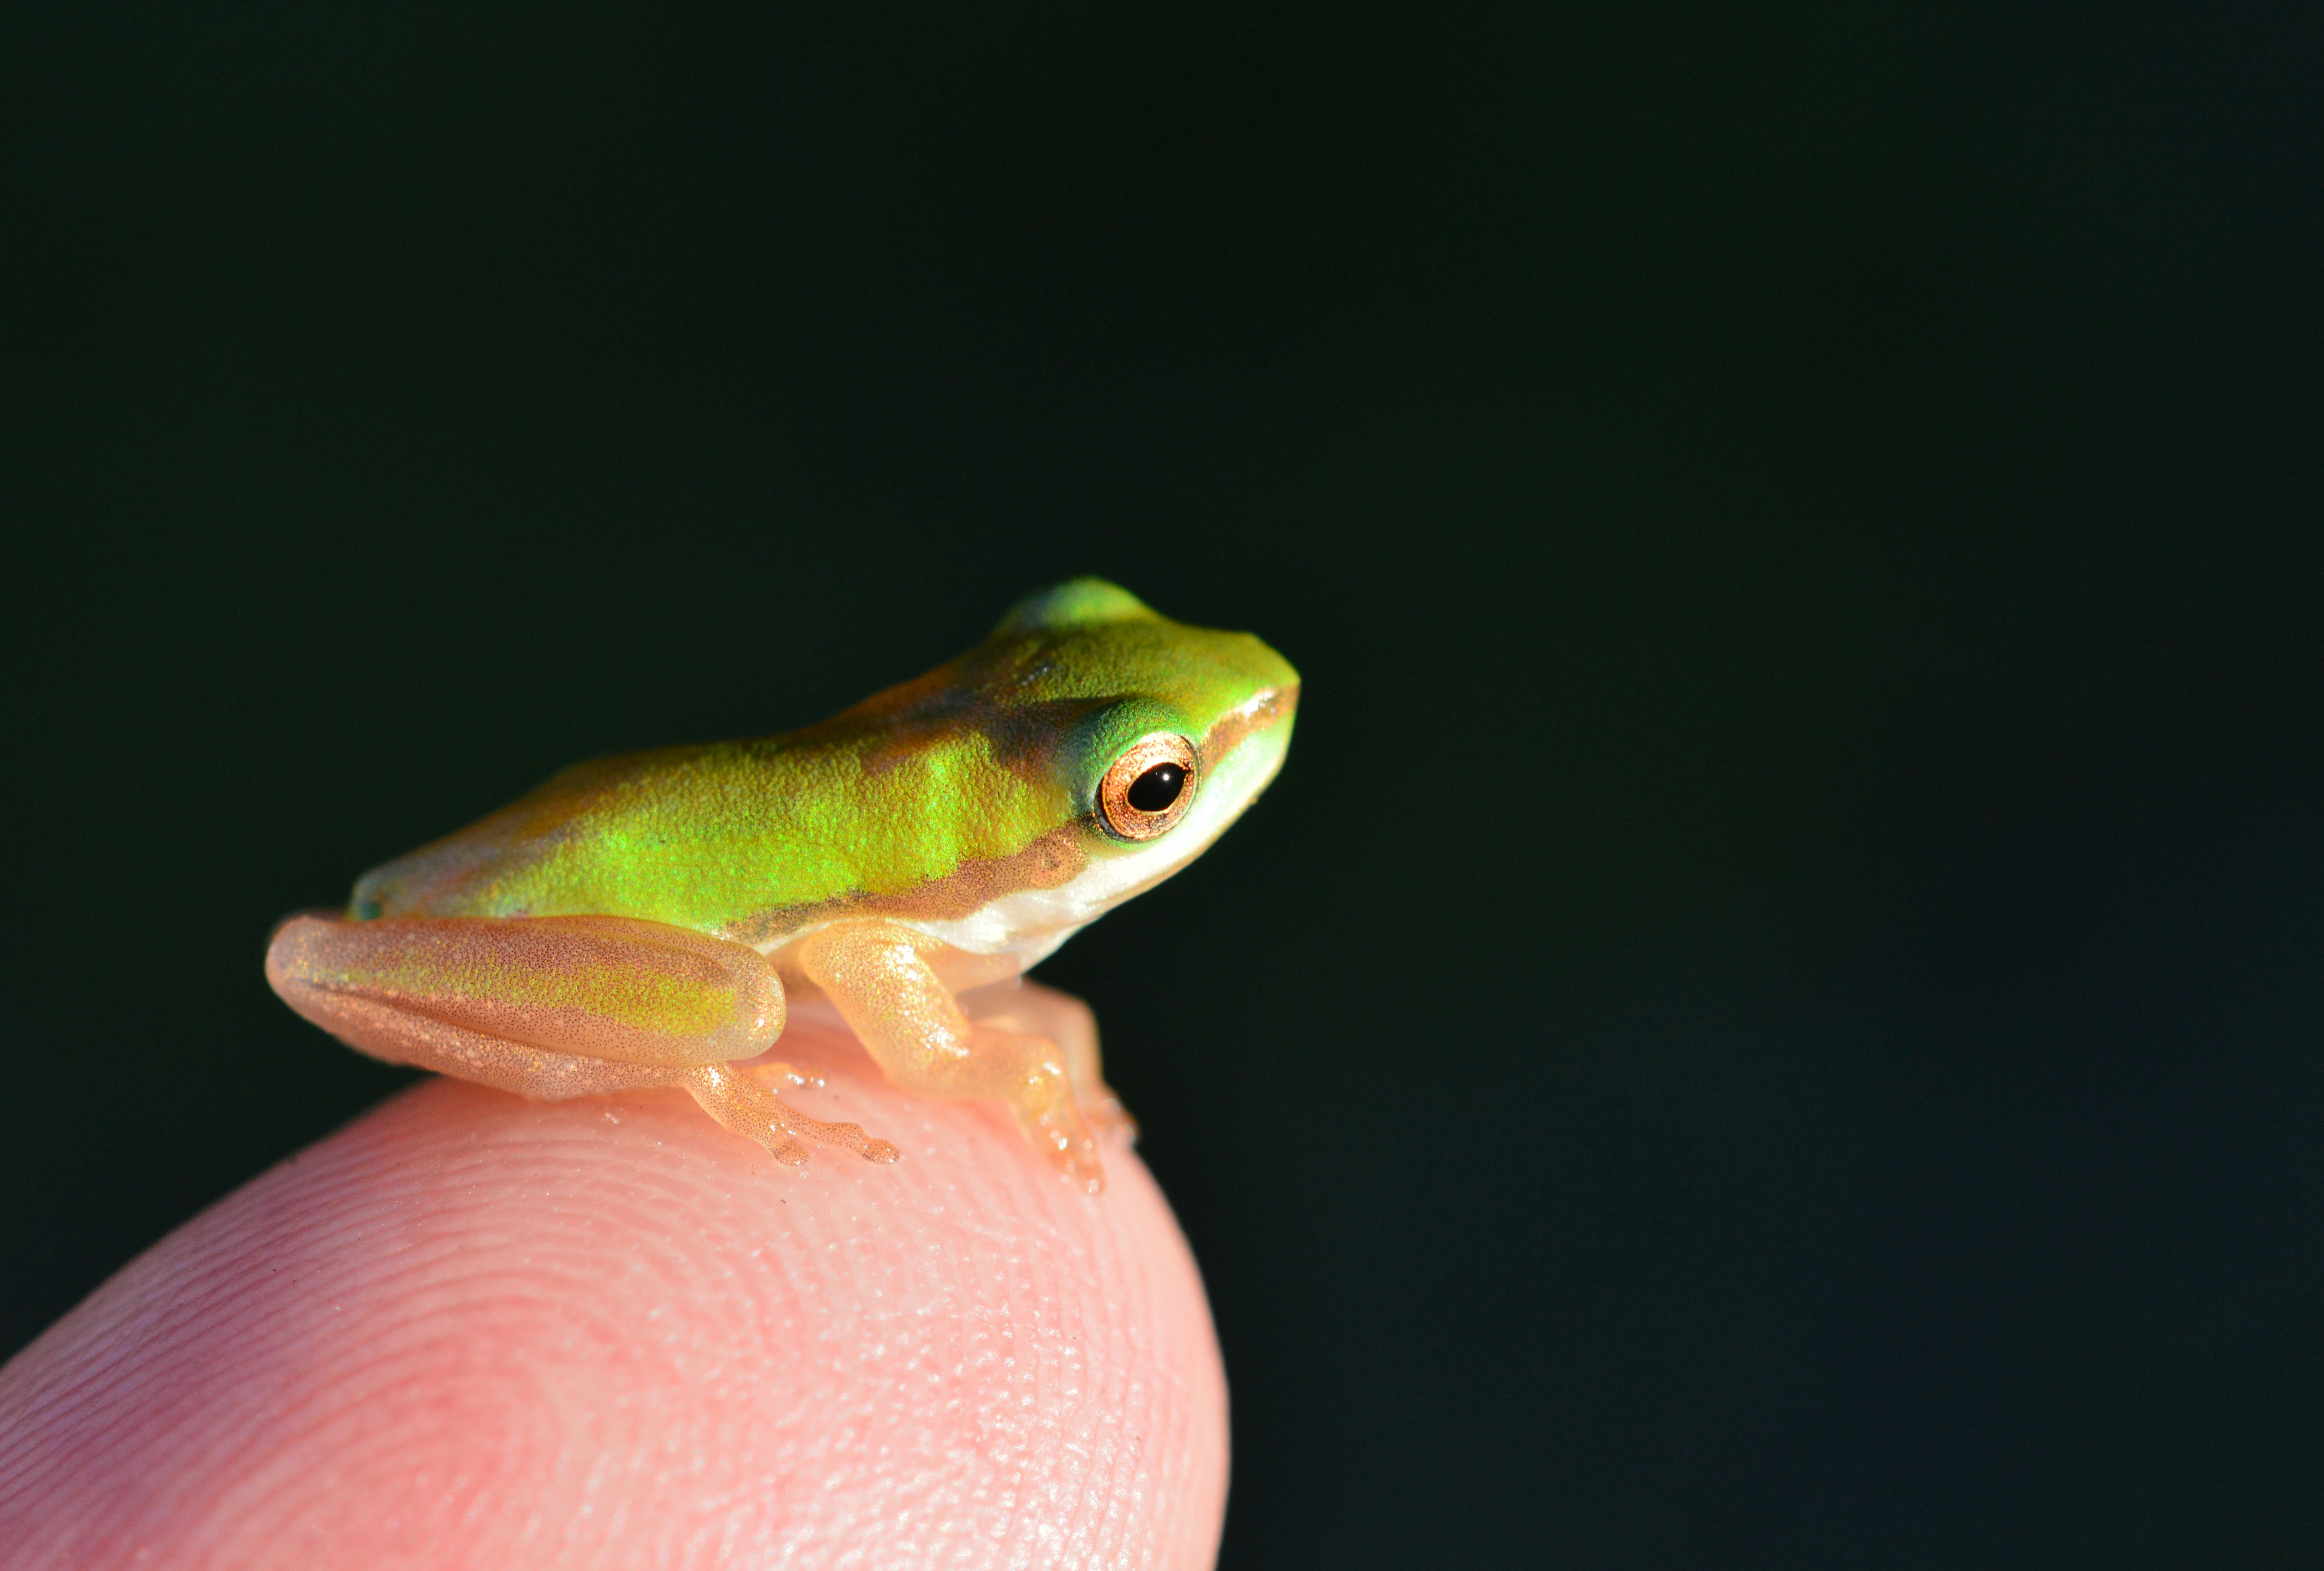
[471,1329]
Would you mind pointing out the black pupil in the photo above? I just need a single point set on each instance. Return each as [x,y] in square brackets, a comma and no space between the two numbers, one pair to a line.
[1157,787]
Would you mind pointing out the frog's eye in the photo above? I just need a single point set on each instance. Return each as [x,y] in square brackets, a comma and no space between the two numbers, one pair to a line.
[1149,788]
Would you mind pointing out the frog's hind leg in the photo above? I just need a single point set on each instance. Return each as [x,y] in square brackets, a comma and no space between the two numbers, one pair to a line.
[399,1036]
[555,1007]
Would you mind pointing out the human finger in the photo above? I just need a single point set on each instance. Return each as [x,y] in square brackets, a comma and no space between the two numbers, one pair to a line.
[471,1330]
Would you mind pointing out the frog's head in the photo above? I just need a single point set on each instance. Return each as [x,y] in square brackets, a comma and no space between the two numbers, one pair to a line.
[1160,734]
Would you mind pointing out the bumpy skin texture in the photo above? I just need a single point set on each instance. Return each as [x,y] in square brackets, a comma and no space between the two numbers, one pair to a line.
[634,922]
[475,1330]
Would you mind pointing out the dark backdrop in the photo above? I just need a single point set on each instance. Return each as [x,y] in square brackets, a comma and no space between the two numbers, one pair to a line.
[1775,1015]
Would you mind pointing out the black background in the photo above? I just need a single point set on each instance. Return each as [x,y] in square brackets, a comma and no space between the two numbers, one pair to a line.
[1776,1013]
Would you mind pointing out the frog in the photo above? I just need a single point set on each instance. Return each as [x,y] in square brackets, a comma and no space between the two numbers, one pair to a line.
[645,921]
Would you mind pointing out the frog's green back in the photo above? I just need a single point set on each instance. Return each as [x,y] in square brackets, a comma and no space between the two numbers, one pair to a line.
[989,762]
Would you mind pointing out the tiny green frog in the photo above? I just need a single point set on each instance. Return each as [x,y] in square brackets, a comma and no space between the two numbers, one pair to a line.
[639,920]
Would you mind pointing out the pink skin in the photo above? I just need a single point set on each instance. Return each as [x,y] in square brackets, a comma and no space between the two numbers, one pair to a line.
[470,1330]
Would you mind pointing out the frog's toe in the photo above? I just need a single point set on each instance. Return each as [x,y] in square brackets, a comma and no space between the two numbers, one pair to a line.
[742,1105]
[1081,1172]
[848,1135]
[1109,1120]
[1066,1141]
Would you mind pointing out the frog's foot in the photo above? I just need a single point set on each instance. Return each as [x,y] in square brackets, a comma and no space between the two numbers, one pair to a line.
[1108,1119]
[754,1113]
[1030,1009]
[1060,1134]
[1100,1109]
[1102,1112]
[1115,1121]
[1028,1073]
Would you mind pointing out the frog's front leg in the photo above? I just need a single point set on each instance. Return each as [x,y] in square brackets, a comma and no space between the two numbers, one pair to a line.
[879,975]
[556,1007]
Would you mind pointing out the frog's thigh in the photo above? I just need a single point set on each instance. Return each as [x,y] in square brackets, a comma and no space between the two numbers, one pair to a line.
[1066,1020]
[638,993]
[887,993]
[403,1038]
